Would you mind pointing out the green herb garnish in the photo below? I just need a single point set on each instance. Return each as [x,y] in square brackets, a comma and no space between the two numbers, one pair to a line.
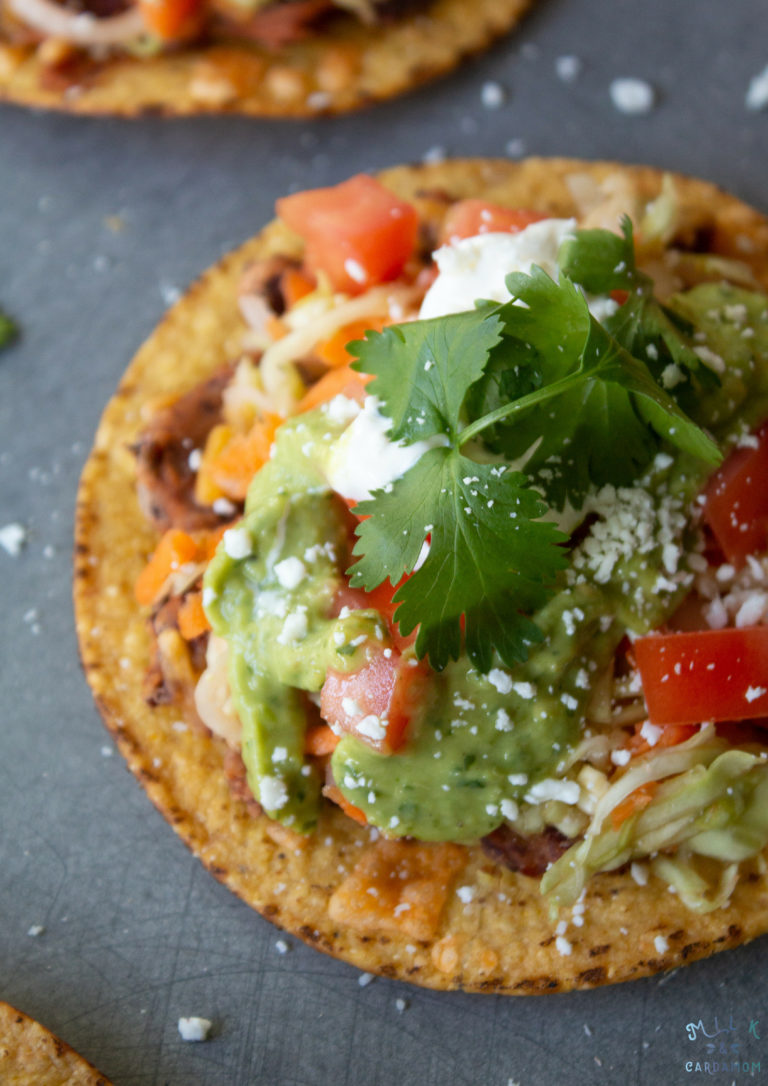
[540,380]
[8,330]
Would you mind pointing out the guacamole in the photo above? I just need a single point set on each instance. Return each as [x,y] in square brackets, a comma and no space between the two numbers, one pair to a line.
[479,745]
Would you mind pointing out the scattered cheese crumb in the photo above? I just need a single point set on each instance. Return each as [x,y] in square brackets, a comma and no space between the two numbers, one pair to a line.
[632,96]
[661,944]
[492,95]
[365,979]
[237,543]
[755,692]
[12,539]
[568,68]
[563,946]
[401,1005]
[290,572]
[757,92]
[194,1029]
[465,894]
[36,929]
[281,946]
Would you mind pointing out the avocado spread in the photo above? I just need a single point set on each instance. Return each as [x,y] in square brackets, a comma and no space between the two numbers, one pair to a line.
[479,743]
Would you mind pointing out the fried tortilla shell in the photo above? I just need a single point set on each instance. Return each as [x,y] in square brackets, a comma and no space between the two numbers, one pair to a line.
[344,65]
[497,936]
[30,1055]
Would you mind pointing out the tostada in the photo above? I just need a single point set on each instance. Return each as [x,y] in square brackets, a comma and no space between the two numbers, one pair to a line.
[421,571]
[269,58]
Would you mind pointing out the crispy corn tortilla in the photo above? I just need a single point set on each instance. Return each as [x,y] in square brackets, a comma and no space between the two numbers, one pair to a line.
[31,1056]
[344,66]
[503,940]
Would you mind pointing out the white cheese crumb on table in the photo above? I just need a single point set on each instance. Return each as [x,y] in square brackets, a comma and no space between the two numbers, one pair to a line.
[12,539]
[757,92]
[632,96]
[492,95]
[195,1029]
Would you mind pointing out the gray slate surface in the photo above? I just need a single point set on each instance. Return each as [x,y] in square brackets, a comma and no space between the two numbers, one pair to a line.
[136,932]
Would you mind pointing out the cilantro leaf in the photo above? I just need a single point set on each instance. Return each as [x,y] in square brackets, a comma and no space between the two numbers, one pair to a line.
[537,376]
[422,370]
[603,262]
[588,389]
[489,558]
[8,330]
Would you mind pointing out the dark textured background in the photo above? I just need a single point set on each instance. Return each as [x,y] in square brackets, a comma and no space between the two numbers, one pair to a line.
[136,933]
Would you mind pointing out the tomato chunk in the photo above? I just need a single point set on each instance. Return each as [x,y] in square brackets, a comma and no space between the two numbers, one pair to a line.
[358,233]
[375,703]
[705,675]
[736,506]
[468,218]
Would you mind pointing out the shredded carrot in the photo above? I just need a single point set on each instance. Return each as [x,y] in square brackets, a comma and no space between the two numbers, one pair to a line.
[320,740]
[634,803]
[174,550]
[209,540]
[295,285]
[334,794]
[233,468]
[193,620]
[334,350]
[275,328]
[339,382]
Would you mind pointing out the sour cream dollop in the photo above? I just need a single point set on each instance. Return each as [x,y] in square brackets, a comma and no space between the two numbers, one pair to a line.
[364,459]
[475,268]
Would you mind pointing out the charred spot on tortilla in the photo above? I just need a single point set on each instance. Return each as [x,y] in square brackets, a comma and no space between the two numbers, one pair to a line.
[440,914]
[279,58]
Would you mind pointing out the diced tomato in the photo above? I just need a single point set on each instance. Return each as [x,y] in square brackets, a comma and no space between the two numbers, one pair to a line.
[381,600]
[384,693]
[468,218]
[736,506]
[358,233]
[171,19]
[705,675]
[320,740]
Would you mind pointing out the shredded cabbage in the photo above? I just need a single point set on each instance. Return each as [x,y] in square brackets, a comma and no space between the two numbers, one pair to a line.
[717,807]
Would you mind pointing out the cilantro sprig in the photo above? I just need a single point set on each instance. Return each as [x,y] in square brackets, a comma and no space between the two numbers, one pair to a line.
[540,379]
[8,330]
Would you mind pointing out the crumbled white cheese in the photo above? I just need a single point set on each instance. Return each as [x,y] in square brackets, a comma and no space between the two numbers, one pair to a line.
[509,809]
[209,595]
[524,690]
[501,680]
[465,894]
[373,727]
[503,721]
[620,757]
[194,1029]
[754,692]
[632,96]
[568,68]
[341,409]
[237,543]
[294,628]
[492,95]
[757,92]
[661,944]
[563,946]
[355,270]
[35,930]
[552,788]
[290,572]
[281,946]
[365,979]
[12,539]
[273,793]
[639,873]
[651,733]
